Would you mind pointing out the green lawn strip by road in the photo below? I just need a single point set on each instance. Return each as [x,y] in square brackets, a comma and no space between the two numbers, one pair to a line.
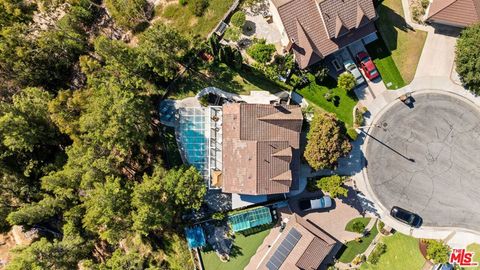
[182,18]
[405,44]
[364,221]
[476,257]
[244,247]
[314,93]
[402,253]
[353,248]
[386,66]
[223,77]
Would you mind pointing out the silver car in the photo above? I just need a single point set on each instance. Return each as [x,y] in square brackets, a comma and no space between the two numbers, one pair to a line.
[352,68]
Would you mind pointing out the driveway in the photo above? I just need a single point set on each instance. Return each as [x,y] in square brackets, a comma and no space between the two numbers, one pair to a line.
[425,159]
[334,220]
[438,53]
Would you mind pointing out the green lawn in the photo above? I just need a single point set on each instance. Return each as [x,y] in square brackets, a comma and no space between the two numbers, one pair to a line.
[182,18]
[476,257]
[386,66]
[402,253]
[314,93]
[244,247]
[227,79]
[353,248]
[364,221]
[405,44]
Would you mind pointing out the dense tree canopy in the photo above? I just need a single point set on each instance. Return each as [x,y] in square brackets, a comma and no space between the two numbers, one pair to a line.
[326,141]
[79,138]
[467,58]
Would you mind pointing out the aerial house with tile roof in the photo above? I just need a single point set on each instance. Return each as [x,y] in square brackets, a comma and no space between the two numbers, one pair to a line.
[458,13]
[314,29]
[260,150]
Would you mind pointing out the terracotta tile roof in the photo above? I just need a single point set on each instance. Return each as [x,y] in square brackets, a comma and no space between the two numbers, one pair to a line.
[260,148]
[319,28]
[309,252]
[456,12]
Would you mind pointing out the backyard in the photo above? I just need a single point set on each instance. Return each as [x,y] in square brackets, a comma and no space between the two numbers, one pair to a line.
[223,77]
[341,106]
[354,247]
[244,247]
[182,18]
[402,253]
[404,43]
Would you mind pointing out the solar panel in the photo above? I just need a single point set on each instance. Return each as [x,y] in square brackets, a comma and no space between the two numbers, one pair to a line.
[284,249]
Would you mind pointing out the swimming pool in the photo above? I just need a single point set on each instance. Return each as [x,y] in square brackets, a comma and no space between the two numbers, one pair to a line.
[192,136]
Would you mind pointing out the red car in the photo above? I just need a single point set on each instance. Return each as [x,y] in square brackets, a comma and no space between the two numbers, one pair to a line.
[366,64]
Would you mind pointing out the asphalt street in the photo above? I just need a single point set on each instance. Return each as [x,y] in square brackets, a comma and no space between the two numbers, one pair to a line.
[426,159]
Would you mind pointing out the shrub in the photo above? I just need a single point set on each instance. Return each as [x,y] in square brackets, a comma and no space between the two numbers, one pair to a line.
[312,185]
[359,116]
[198,7]
[425,3]
[333,185]
[182,2]
[346,81]
[437,251]
[377,253]
[326,141]
[238,19]
[261,52]
[219,216]
[358,226]
[232,34]
[467,61]
[381,225]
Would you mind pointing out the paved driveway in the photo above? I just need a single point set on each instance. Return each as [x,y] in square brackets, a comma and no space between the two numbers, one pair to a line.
[438,53]
[334,220]
[427,160]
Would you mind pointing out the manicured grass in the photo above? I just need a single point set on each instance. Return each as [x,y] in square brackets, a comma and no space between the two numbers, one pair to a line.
[182,18]
[476,257]
[364,221]
[314,94]
[405,44]
[353,248]
[402,253]
[244,247]
[171,156]
[386,66]
[227,79]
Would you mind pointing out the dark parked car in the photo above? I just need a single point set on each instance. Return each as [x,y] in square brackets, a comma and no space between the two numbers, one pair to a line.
[315,203]
[406,216]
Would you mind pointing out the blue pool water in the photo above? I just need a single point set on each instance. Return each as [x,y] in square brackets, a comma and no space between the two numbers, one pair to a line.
[192,137]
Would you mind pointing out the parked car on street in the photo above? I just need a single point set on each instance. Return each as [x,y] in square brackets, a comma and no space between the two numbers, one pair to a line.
[315,203]
[352,68]
[406,216]
[445,266]
[367,65]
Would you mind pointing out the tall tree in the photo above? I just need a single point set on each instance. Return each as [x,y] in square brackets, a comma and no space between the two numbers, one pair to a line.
[107,210]
[129,13]
[185,187]
[149,200]
[162,48]
[326,141]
